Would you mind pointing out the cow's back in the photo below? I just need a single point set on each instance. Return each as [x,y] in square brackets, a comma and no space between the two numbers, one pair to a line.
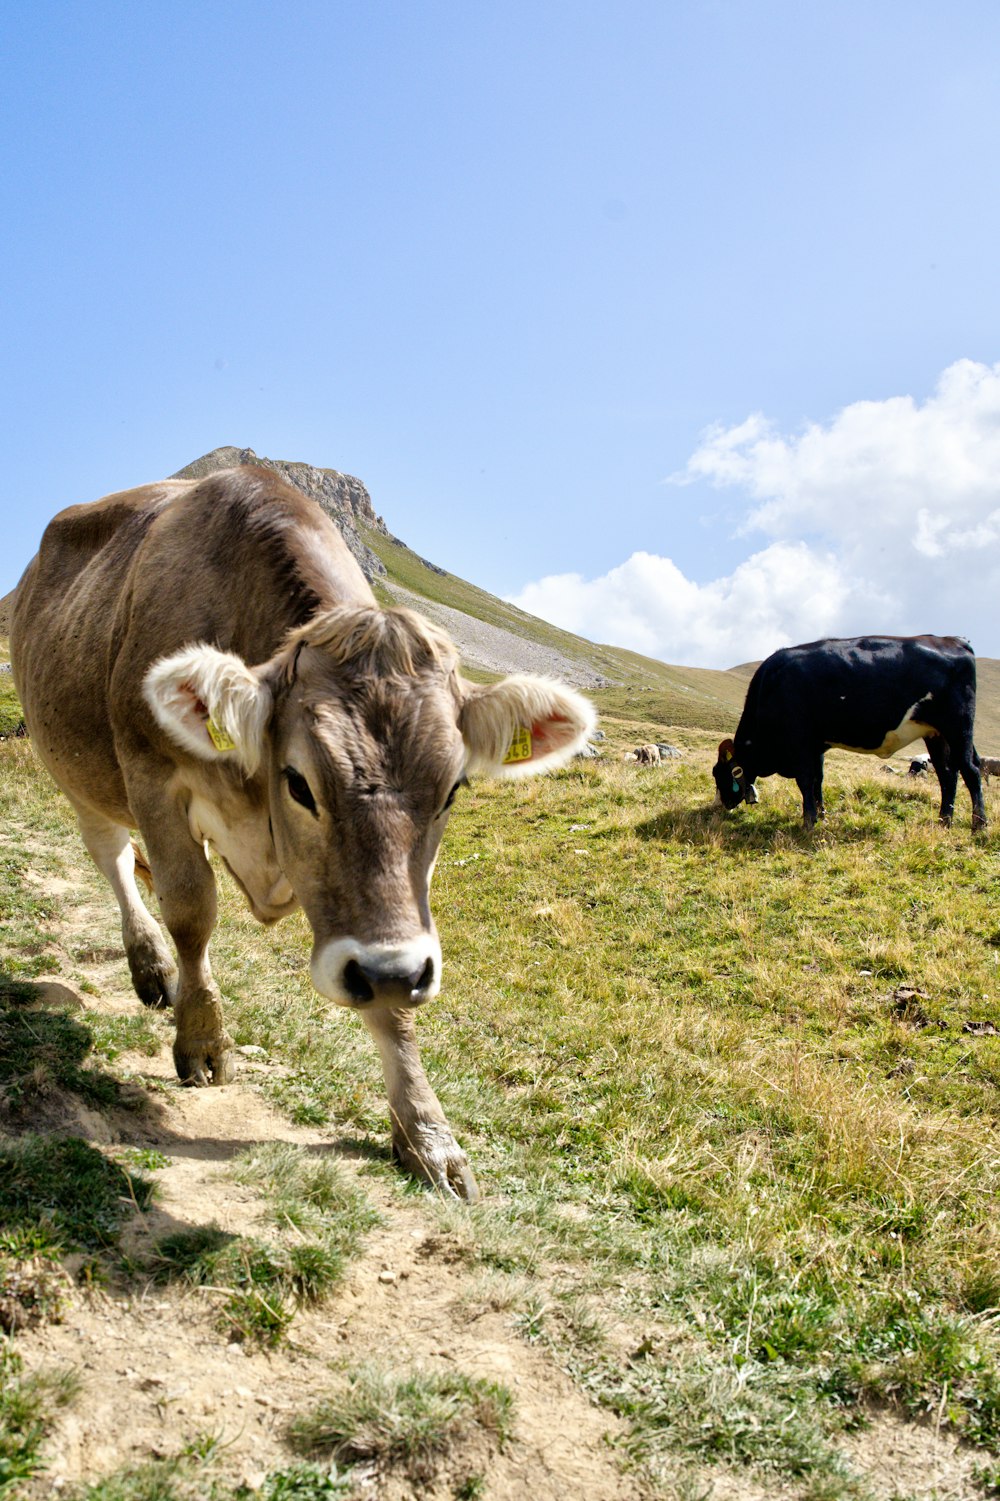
[852,692]
[63,617]
[235,560]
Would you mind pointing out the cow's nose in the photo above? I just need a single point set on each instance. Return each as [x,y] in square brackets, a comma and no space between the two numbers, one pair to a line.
[371,982]
[354,973]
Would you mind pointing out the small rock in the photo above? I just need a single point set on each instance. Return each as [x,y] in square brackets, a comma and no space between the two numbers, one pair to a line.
[387,1277]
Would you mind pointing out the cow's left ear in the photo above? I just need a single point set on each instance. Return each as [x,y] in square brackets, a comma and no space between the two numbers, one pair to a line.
[727,750]
[210,703]
[523,725]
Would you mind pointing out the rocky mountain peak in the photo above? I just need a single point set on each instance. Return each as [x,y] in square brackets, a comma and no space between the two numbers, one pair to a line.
[344,498]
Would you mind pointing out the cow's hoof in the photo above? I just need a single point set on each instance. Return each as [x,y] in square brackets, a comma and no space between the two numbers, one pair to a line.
[433,1155]
[154,982]
[980,825]
[463,1183]
[199,1064]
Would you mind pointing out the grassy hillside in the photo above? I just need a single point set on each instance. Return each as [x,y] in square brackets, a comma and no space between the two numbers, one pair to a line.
[988,706]
[645,690]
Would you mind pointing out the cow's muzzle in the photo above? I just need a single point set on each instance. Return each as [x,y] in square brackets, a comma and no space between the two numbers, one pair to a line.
[358,974]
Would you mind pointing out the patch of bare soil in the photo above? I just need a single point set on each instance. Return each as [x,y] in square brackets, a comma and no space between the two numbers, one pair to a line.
[157,1374]
[916,1460]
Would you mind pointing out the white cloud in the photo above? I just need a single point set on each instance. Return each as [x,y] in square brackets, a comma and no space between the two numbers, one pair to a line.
[875,465]
[886,518]
[787,592]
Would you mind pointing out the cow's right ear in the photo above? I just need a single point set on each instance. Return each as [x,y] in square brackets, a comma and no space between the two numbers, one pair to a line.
[211,703]
[523,725]
[727,750]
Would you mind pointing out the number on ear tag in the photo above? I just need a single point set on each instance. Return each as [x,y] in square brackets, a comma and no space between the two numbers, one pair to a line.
[218,736]
[519,748]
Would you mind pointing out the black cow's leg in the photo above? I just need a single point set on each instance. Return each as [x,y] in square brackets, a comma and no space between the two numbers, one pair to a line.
[421,1136]
[947,774]
[185,887]
[969,767]
[810,784]
[820,810]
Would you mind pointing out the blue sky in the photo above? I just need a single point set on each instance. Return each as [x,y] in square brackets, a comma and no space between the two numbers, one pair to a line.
[676,322]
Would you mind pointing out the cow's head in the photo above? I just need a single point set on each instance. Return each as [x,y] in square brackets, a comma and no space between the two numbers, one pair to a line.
[363,732]
[733,783]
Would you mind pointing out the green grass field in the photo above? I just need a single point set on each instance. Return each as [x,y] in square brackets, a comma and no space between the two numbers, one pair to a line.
[731,1090]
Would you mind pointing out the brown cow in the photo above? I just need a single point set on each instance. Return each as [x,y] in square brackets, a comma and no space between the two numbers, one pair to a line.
[204,661]
[989,766]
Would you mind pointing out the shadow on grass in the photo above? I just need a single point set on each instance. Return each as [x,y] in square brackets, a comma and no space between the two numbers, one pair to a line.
[855,819]
[59,1194]
[744,829]
[43,1057]
[355,1149]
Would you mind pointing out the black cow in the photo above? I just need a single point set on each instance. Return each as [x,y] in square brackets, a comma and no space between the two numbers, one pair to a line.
[872,694]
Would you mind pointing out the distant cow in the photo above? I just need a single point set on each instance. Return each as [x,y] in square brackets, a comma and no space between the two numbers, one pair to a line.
[872,694]
[647,755]
[989,766]
[204,661]
[919,766]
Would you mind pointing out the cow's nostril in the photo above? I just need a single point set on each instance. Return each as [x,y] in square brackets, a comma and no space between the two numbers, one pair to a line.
[425,979]
[365,983]
[356,982]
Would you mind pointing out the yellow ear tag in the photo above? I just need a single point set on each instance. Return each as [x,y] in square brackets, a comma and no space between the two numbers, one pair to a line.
[218,736]
[519,748]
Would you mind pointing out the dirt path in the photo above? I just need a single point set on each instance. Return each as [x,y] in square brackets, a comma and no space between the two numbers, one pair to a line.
[157,1374]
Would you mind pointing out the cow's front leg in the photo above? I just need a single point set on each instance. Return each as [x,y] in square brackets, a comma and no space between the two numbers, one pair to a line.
[154,973]
[421,1136]
[811,787]
[185,886]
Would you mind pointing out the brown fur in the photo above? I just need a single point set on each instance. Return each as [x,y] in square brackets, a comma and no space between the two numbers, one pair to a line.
[204,661]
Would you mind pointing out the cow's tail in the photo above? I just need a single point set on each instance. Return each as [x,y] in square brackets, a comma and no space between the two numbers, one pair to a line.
[142,870]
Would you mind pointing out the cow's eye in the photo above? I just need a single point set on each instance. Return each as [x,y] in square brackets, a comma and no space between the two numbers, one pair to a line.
[462,782]
[298,788]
